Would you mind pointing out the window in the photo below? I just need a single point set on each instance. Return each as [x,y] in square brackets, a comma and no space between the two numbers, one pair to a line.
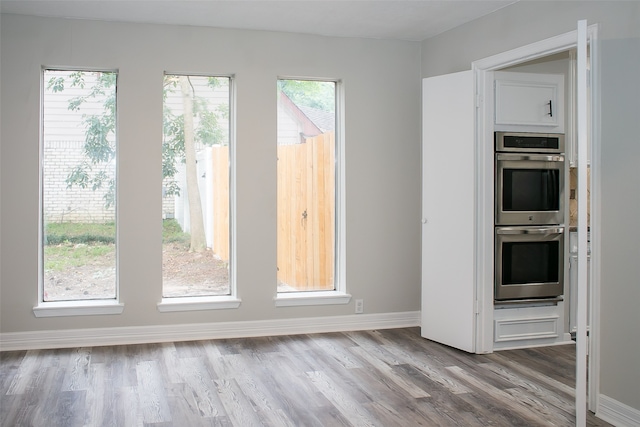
[306,192]
[78,182]
[196,187]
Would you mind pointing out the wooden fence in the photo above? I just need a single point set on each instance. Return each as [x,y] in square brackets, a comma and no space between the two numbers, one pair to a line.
[220,201]
[306,211]
[306,220]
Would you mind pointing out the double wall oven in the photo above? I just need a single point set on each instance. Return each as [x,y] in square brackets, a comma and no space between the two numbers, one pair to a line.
[529,216]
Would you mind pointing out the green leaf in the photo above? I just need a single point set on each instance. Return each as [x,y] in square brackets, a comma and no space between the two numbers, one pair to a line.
[56,84]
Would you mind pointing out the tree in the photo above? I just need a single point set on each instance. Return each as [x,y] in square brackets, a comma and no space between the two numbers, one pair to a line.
[181,135]
[196,123]
[198,240]
[310,93]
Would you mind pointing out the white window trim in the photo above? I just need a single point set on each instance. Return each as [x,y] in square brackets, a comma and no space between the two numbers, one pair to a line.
[215,302]
[86,307]
[78,308]
[198,303]
[338,296]
[302,298]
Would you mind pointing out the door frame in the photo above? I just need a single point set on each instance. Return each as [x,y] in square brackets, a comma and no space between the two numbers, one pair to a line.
[483,74]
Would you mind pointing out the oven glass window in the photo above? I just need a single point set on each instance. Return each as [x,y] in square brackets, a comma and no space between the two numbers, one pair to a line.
[531,190]
[530,262]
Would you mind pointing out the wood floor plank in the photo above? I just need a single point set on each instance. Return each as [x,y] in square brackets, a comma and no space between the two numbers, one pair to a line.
[98,396]
[77,371]
[386,371]
[236,405]
[295,394]
[497,394]
[129,411]
[337,350]
[428,368]
[262,401]
[352,410]
[24,375]
[194,373]
[184,411]
[544,408]
[151,393]
[522,368]
[558,400]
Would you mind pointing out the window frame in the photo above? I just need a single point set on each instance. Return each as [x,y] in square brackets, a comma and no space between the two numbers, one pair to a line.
[339,295]
[84,307]
[231,300]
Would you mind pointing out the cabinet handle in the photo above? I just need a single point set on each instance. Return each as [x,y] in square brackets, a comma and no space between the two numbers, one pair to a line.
[550,109]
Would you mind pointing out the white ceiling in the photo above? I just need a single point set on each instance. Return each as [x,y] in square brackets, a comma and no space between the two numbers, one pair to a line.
[414,20]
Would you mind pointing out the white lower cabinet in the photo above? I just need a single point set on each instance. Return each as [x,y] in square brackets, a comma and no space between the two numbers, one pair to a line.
[529,326]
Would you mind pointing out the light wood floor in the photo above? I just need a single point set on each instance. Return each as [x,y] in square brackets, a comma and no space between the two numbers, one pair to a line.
[370,378]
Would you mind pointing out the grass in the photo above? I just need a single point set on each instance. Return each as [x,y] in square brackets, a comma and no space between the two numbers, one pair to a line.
[172,232]
[71,245]
[68,255]
[74,232]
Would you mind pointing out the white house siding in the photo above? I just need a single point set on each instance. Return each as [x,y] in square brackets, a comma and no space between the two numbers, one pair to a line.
[289,129]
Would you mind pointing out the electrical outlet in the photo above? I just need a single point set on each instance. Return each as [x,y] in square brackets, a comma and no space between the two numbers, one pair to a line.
[359,306]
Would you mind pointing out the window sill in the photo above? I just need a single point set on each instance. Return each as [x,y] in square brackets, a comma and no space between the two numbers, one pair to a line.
[198,303]
[77,308]
[293,299]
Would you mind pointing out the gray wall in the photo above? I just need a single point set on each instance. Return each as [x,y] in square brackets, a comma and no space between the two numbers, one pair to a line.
[619,32]
[382,111]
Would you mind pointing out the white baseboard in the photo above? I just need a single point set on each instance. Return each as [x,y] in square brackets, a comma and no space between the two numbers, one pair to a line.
[617,413]
[34,340]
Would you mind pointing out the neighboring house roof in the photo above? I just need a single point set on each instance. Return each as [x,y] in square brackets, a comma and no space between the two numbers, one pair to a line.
[324,120]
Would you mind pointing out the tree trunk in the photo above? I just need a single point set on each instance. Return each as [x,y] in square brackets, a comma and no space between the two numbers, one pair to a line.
[198,239]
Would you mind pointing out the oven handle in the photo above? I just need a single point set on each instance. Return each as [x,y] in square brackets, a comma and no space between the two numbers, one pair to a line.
[536,157]
[544,230]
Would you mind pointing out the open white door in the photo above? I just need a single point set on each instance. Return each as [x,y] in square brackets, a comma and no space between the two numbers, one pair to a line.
[448,210]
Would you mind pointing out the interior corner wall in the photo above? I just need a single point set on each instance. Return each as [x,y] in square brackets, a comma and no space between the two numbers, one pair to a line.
[619,33]
[381,81]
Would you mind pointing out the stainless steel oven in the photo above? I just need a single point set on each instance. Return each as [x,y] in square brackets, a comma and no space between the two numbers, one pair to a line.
[529,262]
[529,178]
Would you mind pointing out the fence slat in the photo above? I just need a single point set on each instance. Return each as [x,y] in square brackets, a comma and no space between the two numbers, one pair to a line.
[220,159]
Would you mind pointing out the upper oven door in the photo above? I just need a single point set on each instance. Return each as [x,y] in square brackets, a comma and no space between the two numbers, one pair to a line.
[529,189]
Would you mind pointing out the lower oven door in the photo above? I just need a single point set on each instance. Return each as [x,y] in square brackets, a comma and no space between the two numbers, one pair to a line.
[529,262]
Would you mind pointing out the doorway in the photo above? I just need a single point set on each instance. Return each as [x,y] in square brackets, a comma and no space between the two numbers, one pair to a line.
[483,71]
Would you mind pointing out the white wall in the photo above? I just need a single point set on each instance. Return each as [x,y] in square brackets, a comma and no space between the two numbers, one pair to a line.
[619,31]
[381,85]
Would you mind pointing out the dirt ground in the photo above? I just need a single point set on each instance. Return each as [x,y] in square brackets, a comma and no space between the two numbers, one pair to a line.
[185,273]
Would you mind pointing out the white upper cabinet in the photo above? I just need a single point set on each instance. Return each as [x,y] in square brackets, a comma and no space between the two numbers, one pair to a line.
[529,102]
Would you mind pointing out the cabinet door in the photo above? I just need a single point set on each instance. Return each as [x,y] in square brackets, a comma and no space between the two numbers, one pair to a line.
[529,102]
[448,210]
